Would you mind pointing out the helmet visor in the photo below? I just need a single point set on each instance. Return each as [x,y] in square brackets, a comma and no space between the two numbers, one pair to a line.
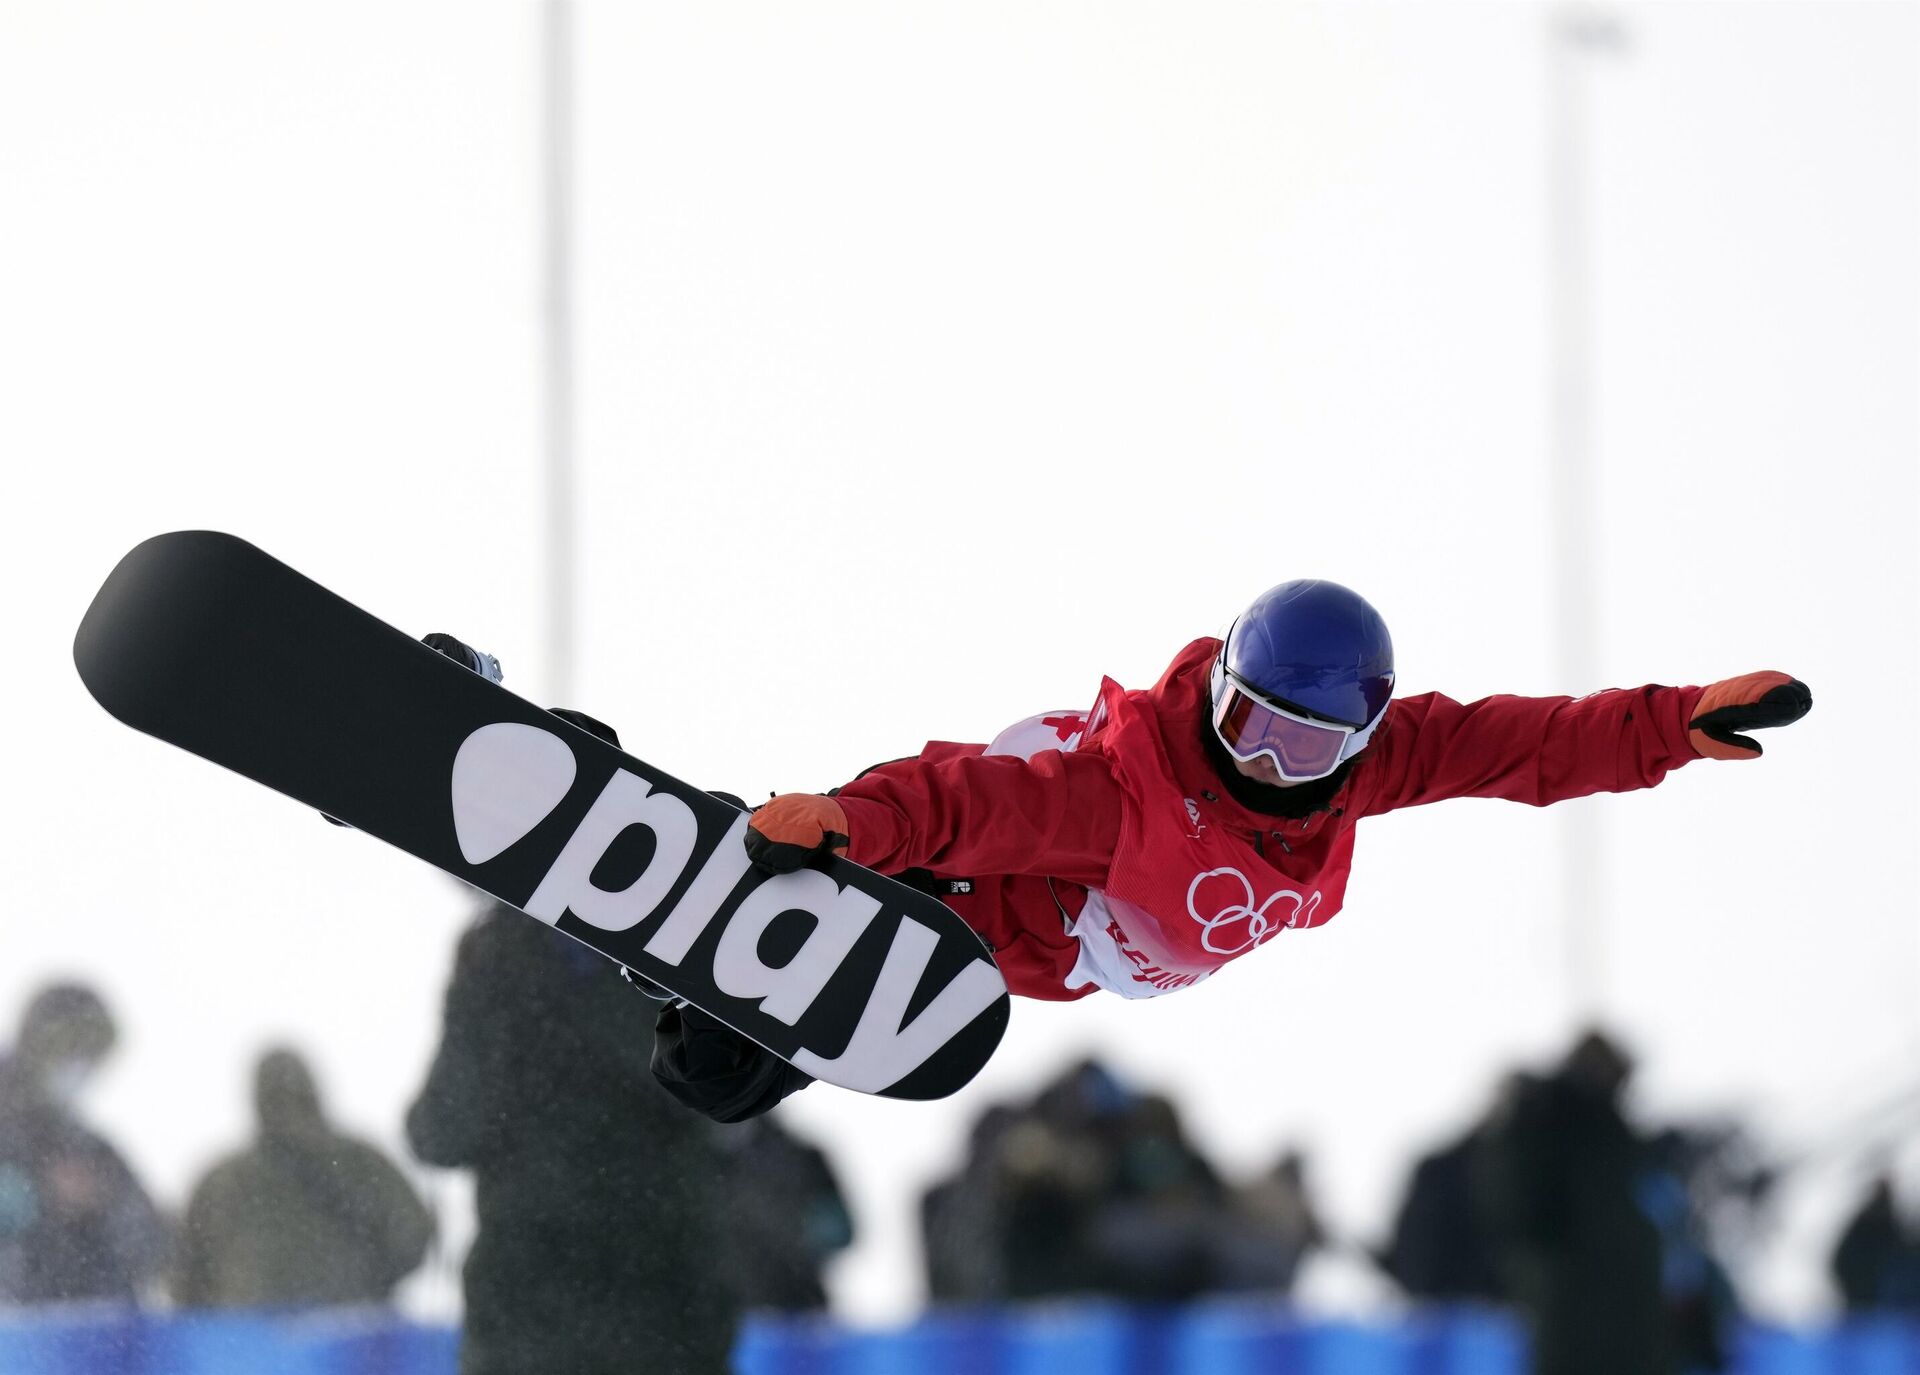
[1301,748]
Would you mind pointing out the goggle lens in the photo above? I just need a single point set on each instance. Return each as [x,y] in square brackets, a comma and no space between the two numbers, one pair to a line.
[1303,750]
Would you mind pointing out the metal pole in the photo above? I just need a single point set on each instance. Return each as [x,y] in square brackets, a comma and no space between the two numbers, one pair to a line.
[557,399]
[1575,34]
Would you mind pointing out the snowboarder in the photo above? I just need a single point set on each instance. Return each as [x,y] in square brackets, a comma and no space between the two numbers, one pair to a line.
[1140,845]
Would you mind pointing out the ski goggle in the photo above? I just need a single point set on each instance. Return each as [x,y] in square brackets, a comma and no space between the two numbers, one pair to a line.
[1301,747]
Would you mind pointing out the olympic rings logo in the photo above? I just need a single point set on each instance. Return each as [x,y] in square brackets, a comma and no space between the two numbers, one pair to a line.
[1238,926]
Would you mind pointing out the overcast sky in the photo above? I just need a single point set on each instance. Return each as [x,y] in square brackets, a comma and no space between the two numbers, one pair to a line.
[936,360]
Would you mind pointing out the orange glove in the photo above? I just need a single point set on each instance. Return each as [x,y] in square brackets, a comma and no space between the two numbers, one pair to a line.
[794,828]
[1749,702]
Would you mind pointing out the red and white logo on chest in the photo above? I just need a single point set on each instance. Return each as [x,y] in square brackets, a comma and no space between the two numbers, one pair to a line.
[1222,902]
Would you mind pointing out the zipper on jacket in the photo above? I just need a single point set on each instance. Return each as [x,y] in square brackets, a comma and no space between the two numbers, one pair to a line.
[1260,843]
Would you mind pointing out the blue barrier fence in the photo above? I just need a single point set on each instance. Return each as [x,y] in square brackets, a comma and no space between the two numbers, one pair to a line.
[1099,1340]
[117,1342]
[1085,1339]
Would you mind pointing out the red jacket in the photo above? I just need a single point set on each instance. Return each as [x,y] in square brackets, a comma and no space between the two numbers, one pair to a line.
[1114,857]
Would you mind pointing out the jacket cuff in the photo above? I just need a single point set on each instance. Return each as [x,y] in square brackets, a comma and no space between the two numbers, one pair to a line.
[875,835]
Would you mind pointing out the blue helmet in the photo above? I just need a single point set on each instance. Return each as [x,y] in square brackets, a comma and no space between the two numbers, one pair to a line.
[1307,647]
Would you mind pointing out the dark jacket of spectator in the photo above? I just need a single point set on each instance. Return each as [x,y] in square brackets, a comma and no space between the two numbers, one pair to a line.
[74,1222]
[601,1244]
[1581,1258]
[1877,1261]
[1443,1249]
[304,1216]
[959,1219]
[786,1217]
[1440,1251]
[1157,1225]
[1701,1307]
[1053,1169]
[1095,1189]
[1271,1227]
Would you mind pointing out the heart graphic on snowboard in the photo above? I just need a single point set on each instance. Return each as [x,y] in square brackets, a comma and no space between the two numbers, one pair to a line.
[507,779]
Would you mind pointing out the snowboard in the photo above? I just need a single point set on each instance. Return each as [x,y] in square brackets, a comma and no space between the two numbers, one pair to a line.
[210,644]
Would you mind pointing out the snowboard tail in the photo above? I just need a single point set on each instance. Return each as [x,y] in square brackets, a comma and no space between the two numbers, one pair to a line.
[203,640]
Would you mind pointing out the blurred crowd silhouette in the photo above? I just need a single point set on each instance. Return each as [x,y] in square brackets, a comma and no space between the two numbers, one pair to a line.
[1094,1189]
[1555,1204]
[619,1232]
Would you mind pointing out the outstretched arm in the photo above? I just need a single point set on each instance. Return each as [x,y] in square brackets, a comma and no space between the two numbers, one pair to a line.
[1542,750]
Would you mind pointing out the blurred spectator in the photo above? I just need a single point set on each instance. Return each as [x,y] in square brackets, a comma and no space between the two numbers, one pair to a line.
[600,1243]
[1044,1186]
[74,1222]
[1095,1189]
[1877,1262]
[786,1216]
[1701,1309]
[959,1220]
[1018,1221]
[1443,1249]
[304,1216]
[1157,1222]
[1562,1174]
[1270,1228]
[1051,1169]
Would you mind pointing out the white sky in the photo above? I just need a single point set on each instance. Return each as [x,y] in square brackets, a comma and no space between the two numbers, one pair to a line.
[1016,345]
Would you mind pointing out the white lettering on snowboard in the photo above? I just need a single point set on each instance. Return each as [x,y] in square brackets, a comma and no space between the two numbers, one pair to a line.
[722,872]
[882,1051]
[627,800]
[507,778]
[840,916]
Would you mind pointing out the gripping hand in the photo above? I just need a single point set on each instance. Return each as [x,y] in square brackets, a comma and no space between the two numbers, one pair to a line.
[1749,702]
[792,829]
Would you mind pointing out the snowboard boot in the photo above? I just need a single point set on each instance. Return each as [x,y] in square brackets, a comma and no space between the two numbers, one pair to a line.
[488,667]
[648,987]
[465,655]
